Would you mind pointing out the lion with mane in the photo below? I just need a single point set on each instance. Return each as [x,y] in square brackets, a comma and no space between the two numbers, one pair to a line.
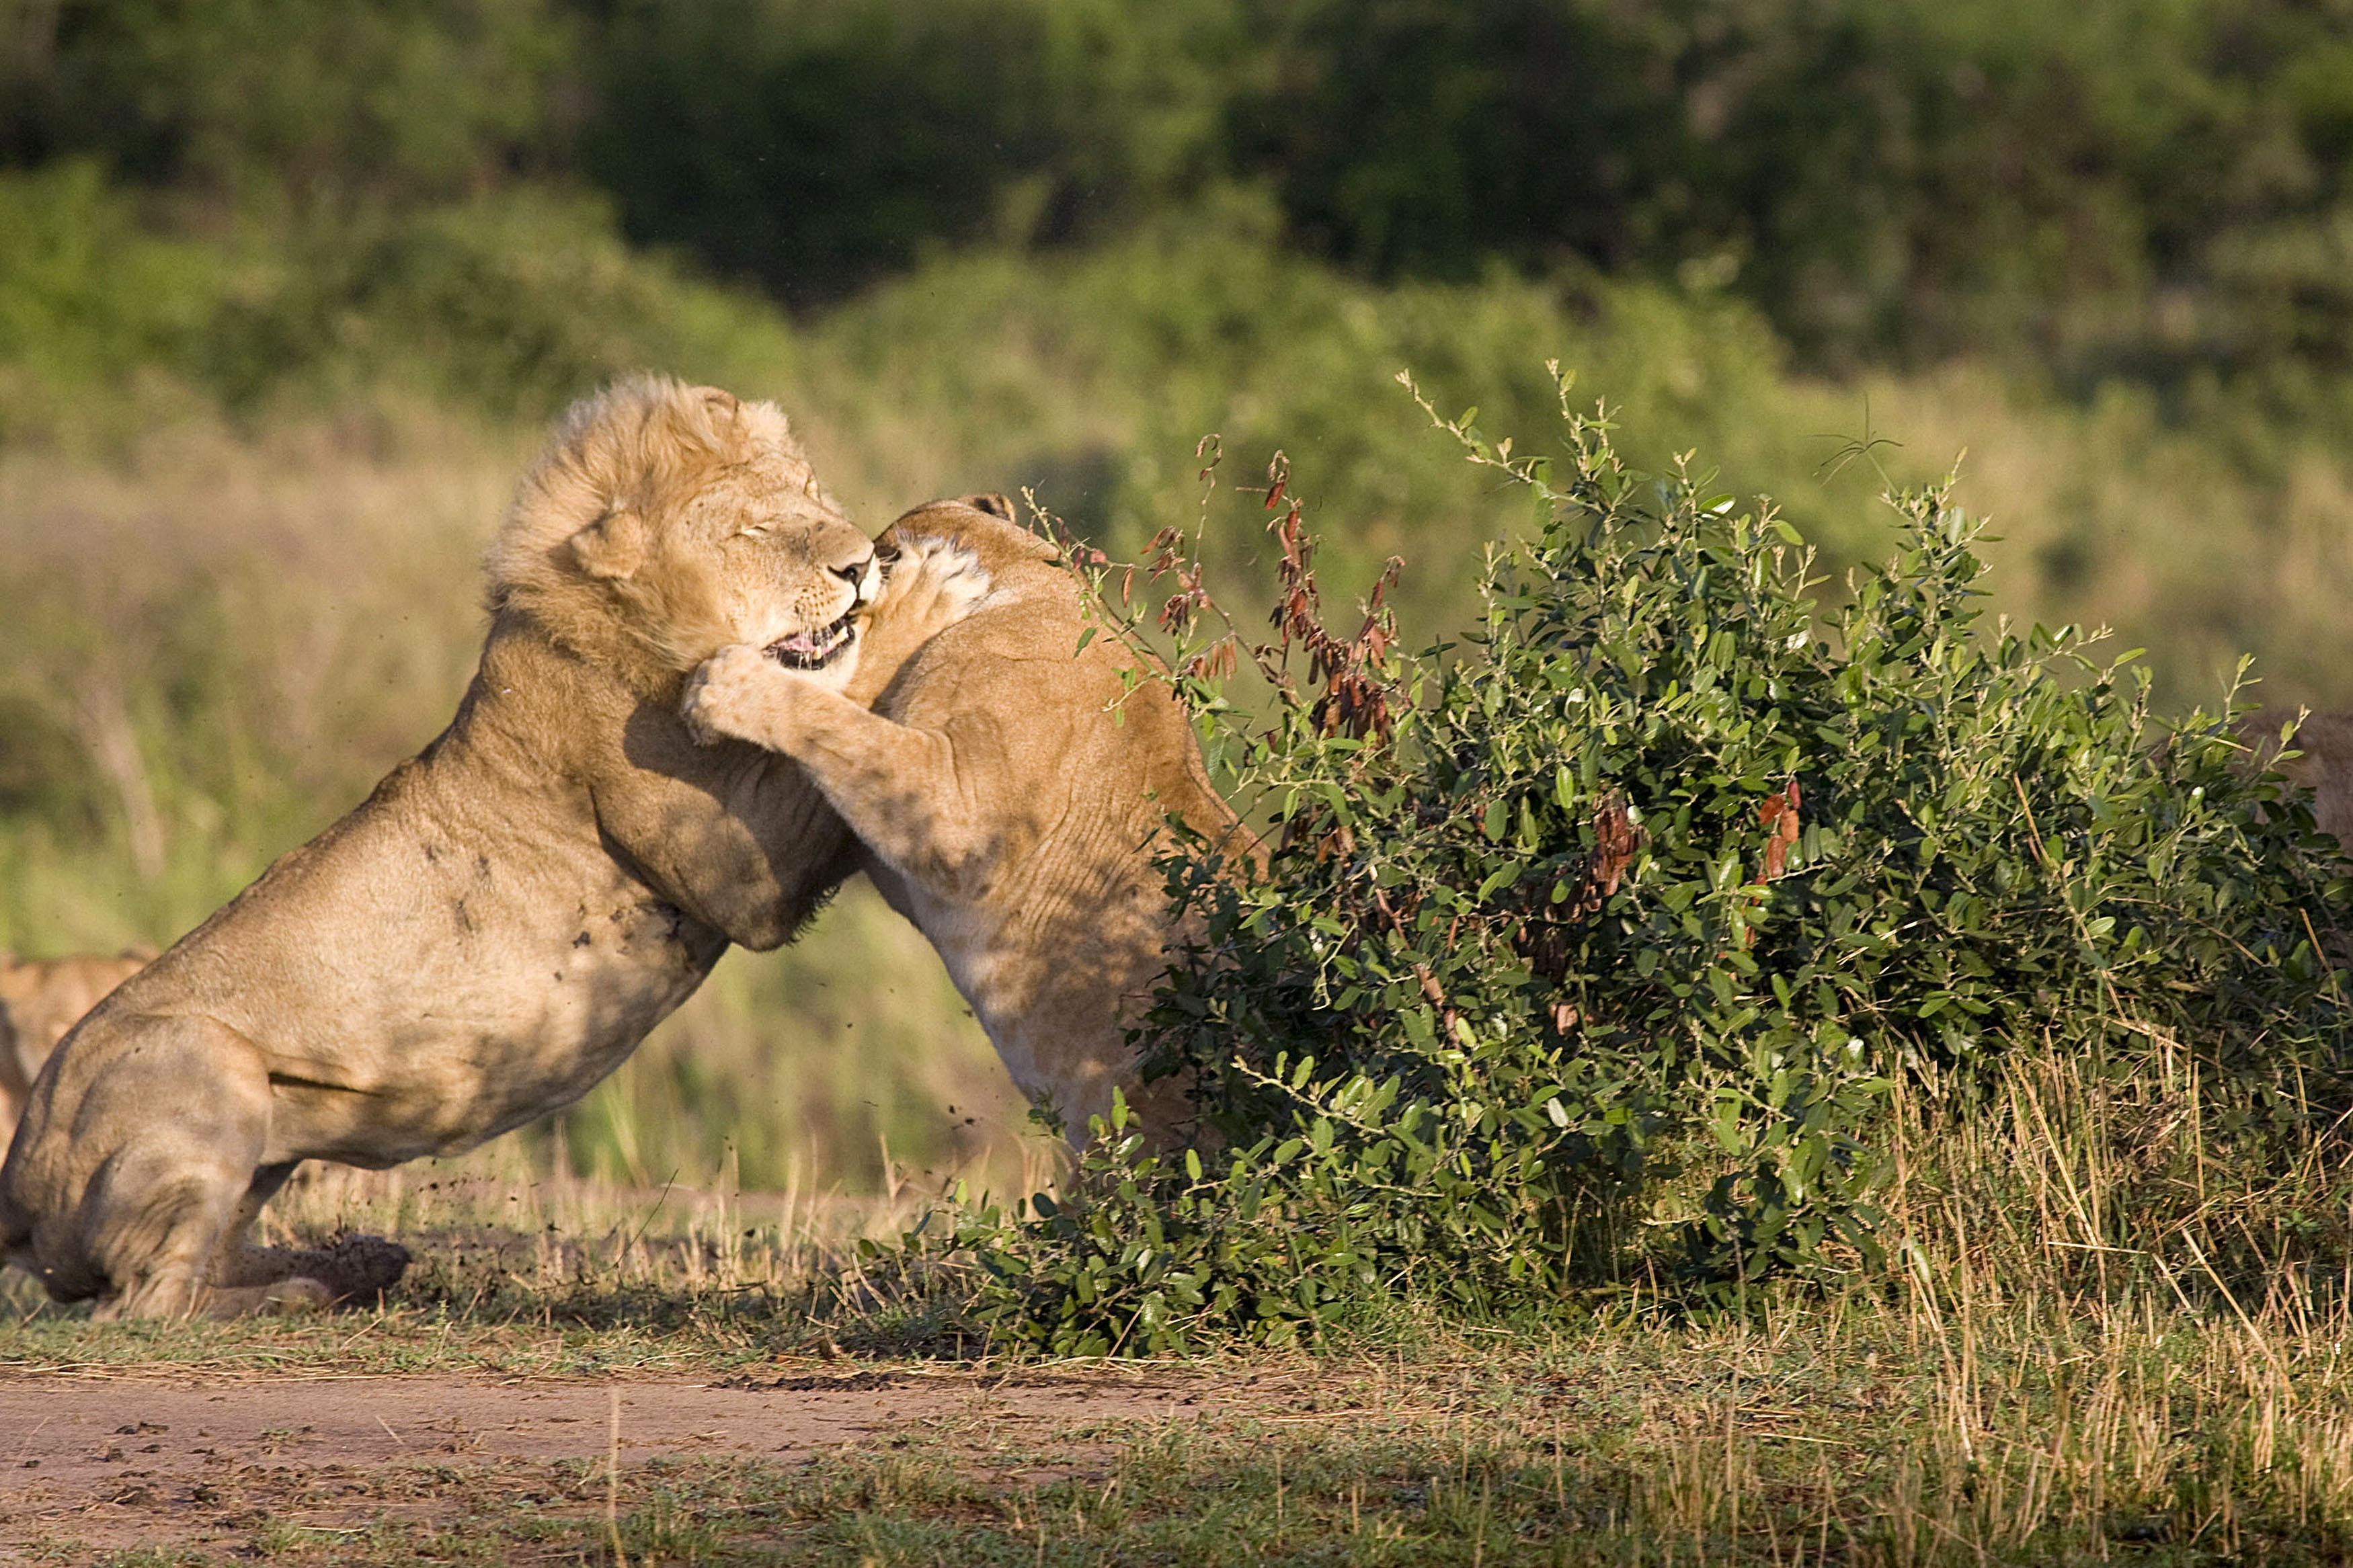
[510,912]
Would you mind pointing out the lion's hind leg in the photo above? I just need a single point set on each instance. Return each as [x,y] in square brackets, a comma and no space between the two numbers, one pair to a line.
[187,1111]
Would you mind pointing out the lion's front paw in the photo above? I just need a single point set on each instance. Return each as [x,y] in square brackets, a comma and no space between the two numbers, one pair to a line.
[723,695]
[741,694]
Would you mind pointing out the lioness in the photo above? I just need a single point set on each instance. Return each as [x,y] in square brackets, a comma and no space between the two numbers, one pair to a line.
[511,912]
[1011,787]
[40,999]
[2323,764]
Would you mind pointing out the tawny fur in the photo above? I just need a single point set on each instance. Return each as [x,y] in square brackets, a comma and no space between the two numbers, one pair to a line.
[40,999]
[510,912]
[2323,764]
[1011,790]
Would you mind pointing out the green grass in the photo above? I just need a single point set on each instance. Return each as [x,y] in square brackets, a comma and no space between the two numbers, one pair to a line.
[520,1265]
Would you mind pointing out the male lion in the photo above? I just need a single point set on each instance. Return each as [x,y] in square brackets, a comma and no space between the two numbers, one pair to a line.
[40,999]
[1011,788]
[511,912]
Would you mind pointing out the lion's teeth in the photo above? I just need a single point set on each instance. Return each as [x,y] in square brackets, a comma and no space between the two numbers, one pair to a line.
[811,648]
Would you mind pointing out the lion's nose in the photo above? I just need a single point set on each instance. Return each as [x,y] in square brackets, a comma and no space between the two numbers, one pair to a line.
[855,569]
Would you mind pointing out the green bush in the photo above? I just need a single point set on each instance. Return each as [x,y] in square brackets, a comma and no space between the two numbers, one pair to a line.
[514,304]
[86,295]
[2115,190]
[1600,940]
[509,304]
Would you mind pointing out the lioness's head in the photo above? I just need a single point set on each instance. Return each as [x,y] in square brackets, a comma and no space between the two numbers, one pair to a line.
[665,522]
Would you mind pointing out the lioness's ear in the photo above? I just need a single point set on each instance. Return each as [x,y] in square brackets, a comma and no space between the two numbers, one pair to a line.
[993,504]
[612,546]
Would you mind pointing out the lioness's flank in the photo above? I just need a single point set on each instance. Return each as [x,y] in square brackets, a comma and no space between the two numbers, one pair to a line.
[40,999]
[2323,764]
[1011,787]
[508,913]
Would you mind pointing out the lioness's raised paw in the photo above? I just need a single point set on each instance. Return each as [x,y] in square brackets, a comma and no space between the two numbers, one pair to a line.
[741,694]
[720,693]
[936,582]
[931,583]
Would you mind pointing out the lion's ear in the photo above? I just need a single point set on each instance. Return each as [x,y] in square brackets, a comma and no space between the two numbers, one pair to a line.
[612,546]
[991,502]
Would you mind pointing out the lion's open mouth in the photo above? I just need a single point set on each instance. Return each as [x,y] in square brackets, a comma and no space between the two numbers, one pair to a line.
[815,651]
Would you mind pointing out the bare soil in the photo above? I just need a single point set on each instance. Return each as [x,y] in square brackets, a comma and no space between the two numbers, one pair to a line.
[115,1462]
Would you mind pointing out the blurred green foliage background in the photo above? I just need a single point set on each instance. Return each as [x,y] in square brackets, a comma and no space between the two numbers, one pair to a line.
[288,287]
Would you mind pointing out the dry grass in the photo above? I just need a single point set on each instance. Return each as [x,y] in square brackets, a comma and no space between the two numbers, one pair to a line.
[2102,1338]
[2107,516]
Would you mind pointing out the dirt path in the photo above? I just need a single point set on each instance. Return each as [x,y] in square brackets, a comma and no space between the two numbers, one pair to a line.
[122,1462]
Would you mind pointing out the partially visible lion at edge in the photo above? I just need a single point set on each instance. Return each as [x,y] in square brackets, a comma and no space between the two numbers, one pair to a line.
[2323,764]
[40,999]
[509,914]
